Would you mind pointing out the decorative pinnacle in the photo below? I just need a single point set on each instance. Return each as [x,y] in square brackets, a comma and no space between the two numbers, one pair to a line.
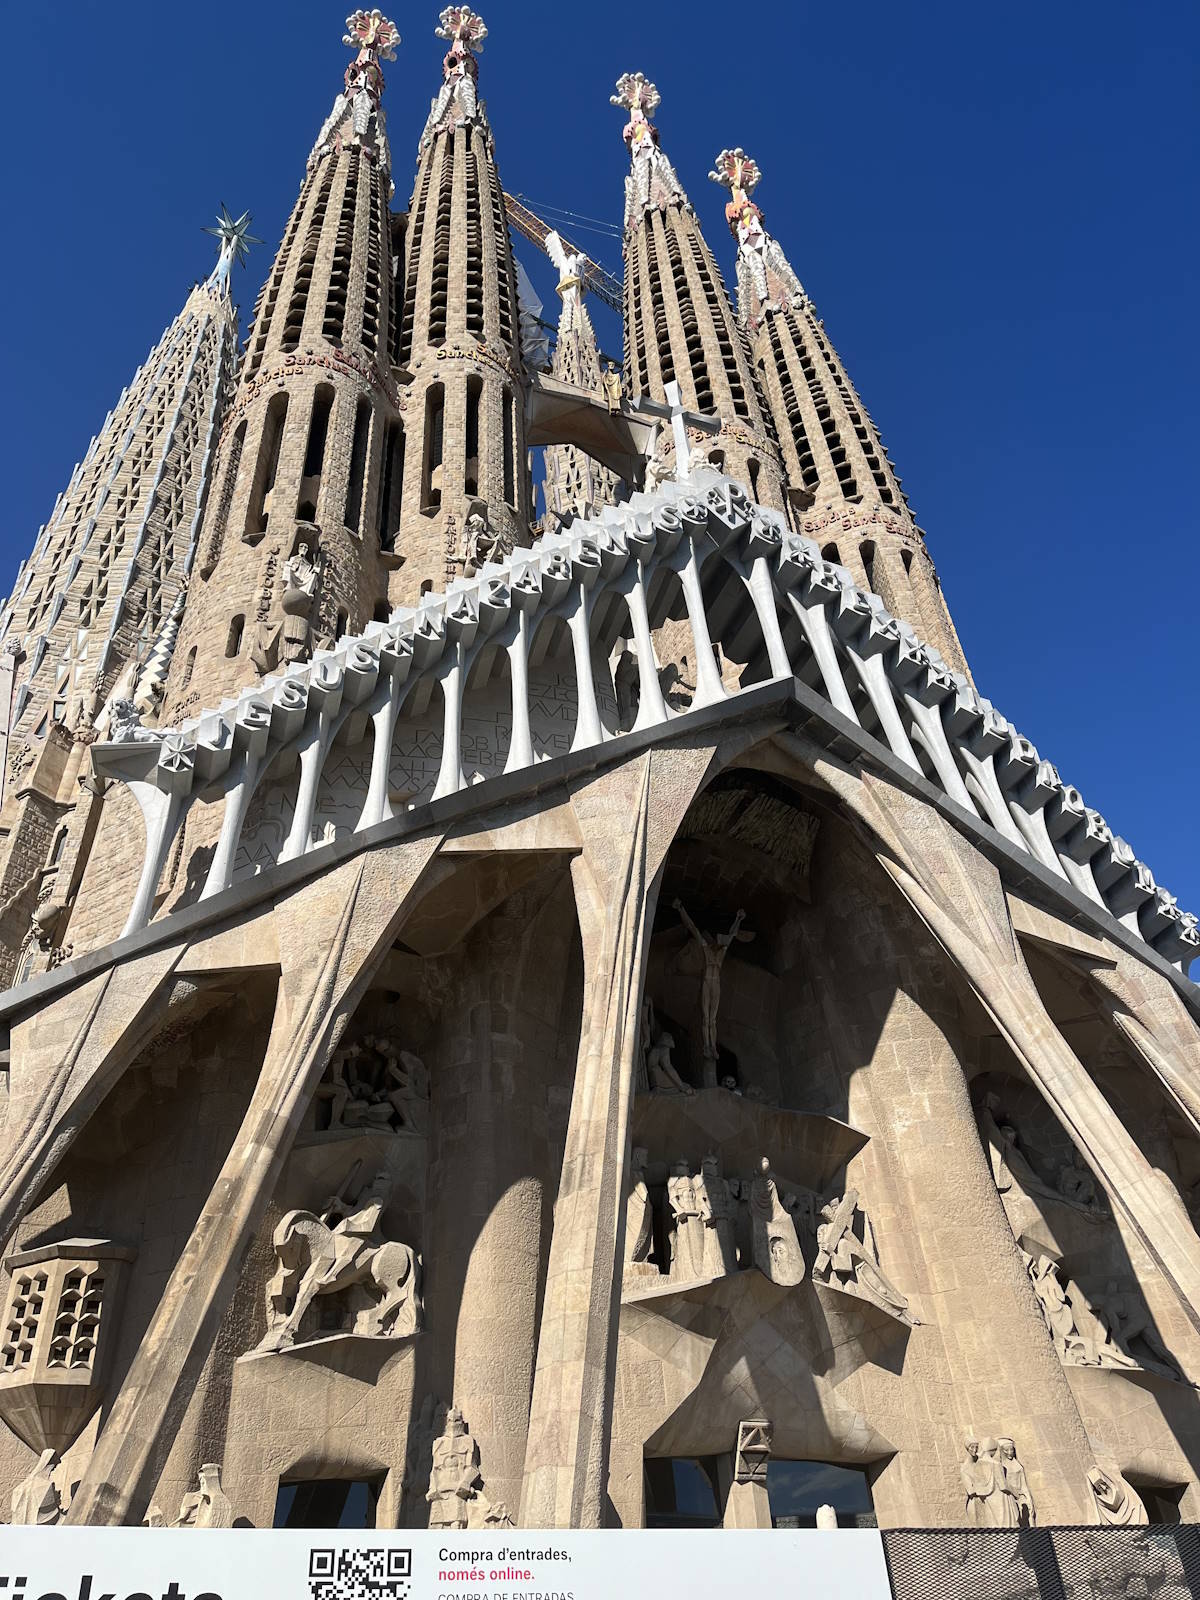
[637,95]
[739,173]
[735,170]
[466,30]
[373,32]
[236,239]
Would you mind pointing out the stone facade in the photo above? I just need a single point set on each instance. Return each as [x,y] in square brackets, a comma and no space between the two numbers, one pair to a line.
[475,1075]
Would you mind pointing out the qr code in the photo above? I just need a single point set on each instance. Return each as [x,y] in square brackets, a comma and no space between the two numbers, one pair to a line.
[359,1574]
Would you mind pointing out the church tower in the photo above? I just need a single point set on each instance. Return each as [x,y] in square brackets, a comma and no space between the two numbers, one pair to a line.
[576,484]
[106,581]
[457,339]
[679,323]
[842,487]
[296,547]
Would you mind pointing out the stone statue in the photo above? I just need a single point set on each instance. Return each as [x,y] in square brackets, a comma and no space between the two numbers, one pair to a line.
[125,725]
[1081,1336]
[454,1477]
[341,1251]
[717,1213]
[687,1236]
[627,687]
[713,950]
[846,1261]
[639,1221]
[300,576]
[1018,1500]
[775,1248]
[983,1482]
[1127,1321]
[154,1517]
[826,1517]
[35,1500]
[611,381]
[1118,1504]
[658,469]
[481,545]
[376,1084]
[206,1507]
[663,1077]
[1013,1162]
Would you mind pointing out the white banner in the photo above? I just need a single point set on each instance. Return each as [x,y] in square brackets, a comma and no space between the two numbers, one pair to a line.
[512,1564]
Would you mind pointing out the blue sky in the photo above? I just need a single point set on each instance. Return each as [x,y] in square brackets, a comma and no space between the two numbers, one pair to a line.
[993,208]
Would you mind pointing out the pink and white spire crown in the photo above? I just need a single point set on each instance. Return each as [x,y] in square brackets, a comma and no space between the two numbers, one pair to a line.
[652,183]
[765,276]
[458,103]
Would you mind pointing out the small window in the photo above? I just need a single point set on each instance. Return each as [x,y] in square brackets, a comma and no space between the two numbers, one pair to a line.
[328,1503]
[510,459]
[189,666]
[906,557]
[234,642]
[830,553]
[382,611]
[867,551]
[60,840]
[681,1492]
[343,619]
[754,469]
[796,1488]
[426,585]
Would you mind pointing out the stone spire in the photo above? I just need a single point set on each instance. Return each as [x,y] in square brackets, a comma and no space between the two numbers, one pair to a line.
[841,484]
[575,484]
[457,104]
[679,324]
[105,572]
[459,340]
[295,548]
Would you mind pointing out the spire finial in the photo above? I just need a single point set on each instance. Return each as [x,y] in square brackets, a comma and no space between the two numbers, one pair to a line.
[458,102]
[371,33]
[765,277]
[637,95]
[652,182]
[236,238]
[739,173]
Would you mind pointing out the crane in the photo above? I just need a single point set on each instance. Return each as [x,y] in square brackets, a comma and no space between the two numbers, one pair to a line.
[596,278]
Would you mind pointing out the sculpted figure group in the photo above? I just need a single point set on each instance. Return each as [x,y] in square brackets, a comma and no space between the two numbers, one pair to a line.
[342,1251]
[716,1225]
[1112,1329]
[994,1480]
[376,1084]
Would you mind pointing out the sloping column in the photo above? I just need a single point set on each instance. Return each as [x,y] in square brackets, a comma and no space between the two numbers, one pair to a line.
[628,818]
[960,898]
[65,1058]
[333,935]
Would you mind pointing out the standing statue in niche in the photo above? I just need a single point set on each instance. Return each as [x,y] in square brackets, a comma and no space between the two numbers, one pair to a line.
[717,1214]
[35,1500]
[1018,1505]
[1118,1504]
[206,1507]
[687,1236]
[983,1482]
[713,950]
[775,1246]
[639,1221]
[627,687]
[343,1249]
[849,1262]
[455,1476]
[300,577]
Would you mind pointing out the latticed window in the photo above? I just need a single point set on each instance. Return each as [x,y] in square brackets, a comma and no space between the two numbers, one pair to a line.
[77,1322]
[26,1312]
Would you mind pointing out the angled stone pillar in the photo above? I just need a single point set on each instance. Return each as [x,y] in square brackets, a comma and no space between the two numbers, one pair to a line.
[961,900]
[628,818]
[334,932]
[64,1059]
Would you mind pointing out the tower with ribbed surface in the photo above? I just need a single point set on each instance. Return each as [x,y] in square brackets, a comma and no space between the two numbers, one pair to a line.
[841,485]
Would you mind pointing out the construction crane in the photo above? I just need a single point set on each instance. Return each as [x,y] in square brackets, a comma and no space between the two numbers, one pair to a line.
[597,280]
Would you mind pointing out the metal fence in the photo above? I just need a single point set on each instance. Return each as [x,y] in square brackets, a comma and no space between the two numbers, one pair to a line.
[1157,1563]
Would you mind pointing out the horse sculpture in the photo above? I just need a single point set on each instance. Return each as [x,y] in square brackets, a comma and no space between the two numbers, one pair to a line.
[380,1277]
